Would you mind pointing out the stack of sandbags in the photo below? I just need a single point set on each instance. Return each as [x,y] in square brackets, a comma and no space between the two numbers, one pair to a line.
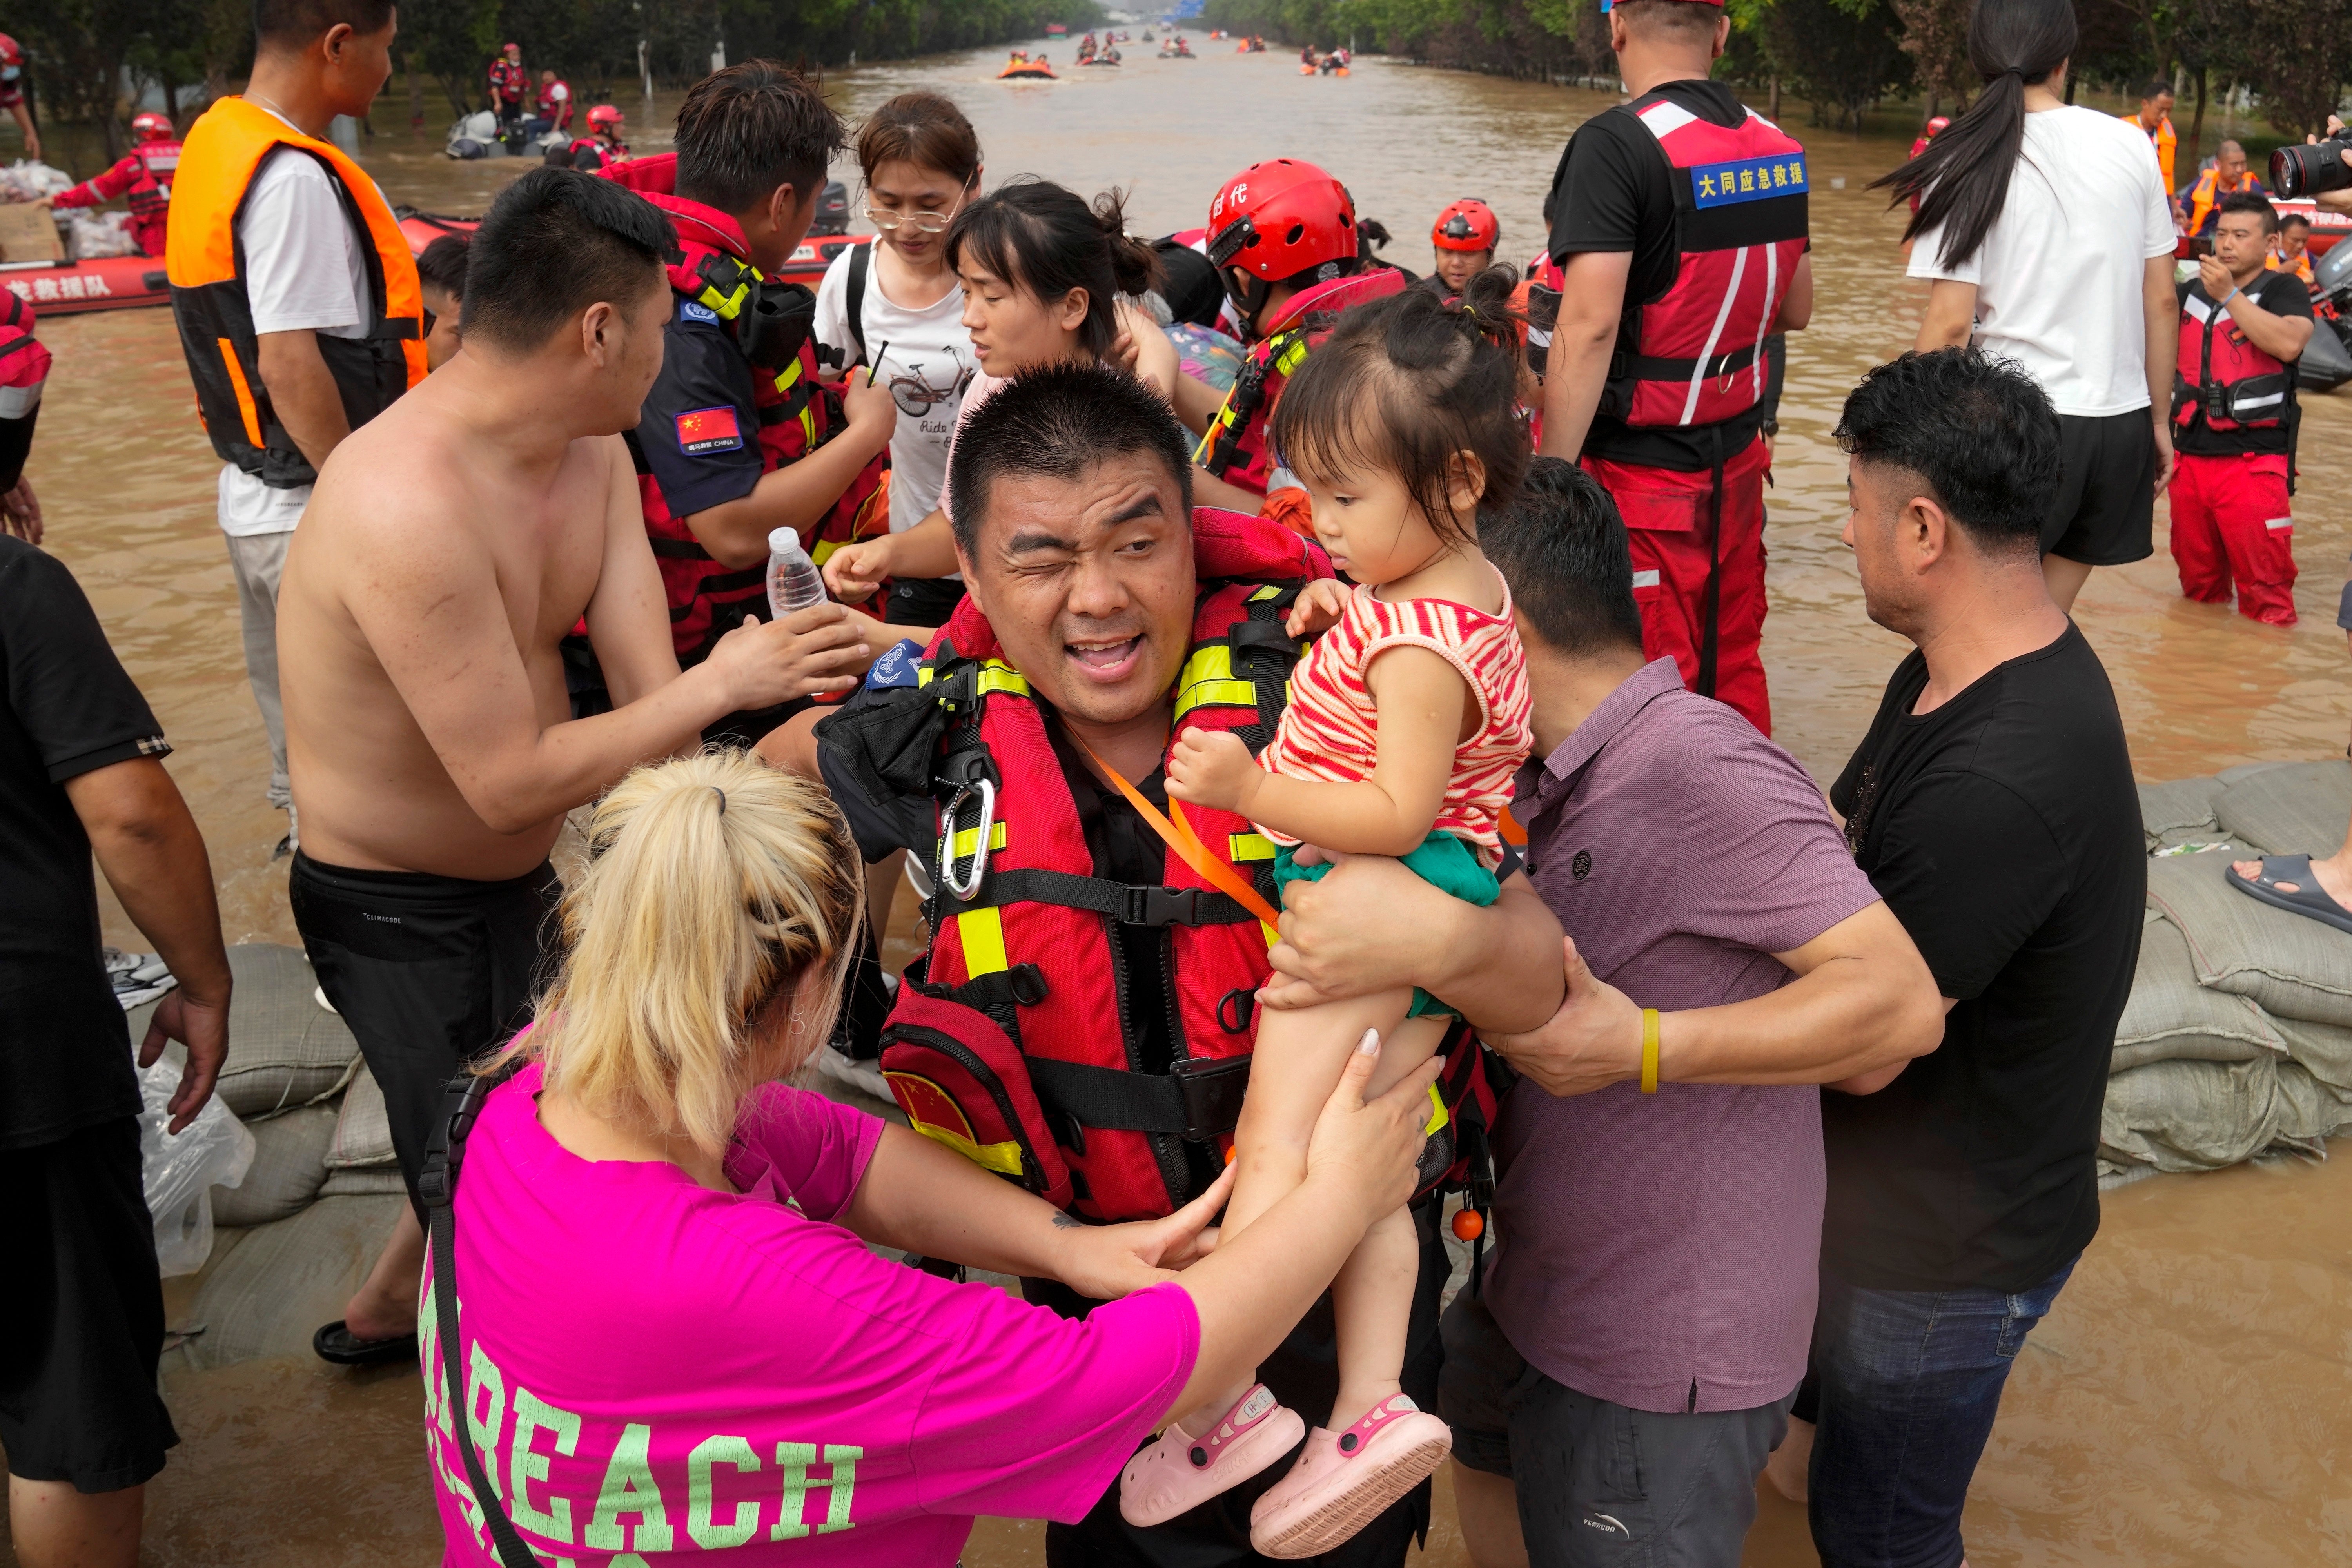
[2238,1036]
[360,1161]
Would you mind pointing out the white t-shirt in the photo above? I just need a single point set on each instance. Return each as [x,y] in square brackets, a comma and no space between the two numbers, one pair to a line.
[928,351]
[303,269]
[2059,276]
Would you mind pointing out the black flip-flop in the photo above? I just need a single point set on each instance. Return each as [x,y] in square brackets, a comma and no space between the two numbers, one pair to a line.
[2308,898]
[337,1344]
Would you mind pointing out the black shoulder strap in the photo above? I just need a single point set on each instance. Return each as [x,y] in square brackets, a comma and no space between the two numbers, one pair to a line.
[436,1183]
[859,255]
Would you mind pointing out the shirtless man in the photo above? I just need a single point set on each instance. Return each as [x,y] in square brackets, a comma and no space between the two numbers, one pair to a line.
[450,544]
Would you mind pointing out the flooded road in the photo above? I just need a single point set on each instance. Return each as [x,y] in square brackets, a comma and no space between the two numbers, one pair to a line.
[2188,1399]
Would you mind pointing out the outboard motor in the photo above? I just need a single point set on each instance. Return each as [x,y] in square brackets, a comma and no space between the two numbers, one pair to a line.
[2326,362]
[832,209]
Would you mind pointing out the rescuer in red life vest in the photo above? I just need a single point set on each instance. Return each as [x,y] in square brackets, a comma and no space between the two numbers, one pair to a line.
[1928,134]
[1679,223]
[737,439]
[1083,1020]
[1283,238]
[144,176]
[602,146]
[1463,239]
[12,94]
[553,111]
[2243,327]
[508,83]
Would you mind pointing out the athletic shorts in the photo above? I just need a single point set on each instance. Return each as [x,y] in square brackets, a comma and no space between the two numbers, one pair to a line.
[2105,512]
[429,972]
[1442,860]
[1600,1483]
[81,1321]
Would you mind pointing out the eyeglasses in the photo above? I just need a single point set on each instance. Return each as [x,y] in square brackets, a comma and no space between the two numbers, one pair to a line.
[889,220]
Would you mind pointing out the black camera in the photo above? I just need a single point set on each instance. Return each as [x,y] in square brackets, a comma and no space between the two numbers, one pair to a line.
[2305,169]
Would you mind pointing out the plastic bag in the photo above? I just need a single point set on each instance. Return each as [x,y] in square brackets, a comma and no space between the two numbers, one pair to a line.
[214,1150]
[27,180]
[90,235]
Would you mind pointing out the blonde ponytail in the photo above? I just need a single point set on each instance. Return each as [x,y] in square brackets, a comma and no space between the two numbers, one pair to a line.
[718,889]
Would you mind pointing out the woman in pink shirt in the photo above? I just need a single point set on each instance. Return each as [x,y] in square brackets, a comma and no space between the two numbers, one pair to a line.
[673,1332]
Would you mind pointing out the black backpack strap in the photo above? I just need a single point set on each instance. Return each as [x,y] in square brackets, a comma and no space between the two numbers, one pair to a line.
[859,256]
[436,1183]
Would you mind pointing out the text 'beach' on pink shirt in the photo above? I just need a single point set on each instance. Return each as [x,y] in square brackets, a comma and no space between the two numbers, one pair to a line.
[652,1367]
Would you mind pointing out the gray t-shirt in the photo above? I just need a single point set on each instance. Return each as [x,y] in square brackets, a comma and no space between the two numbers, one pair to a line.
[1660,1251]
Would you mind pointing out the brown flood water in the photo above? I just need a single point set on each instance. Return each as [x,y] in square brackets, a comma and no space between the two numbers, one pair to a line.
[2188,1400]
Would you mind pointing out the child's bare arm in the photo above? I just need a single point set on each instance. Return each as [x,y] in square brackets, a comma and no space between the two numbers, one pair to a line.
[1421,699]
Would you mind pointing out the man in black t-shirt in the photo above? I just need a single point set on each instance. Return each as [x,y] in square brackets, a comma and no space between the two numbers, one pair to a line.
[1678,220]
[81,772]
[1991,805]
[2243,329]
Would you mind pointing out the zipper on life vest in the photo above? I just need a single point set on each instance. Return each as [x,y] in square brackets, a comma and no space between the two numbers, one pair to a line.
[964,1057]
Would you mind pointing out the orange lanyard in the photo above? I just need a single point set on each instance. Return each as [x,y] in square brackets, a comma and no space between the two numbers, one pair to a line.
[1180,836]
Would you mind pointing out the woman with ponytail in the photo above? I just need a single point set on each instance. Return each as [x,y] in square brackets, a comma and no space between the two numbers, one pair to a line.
[674,1329]
[1047,277]
[2046,234]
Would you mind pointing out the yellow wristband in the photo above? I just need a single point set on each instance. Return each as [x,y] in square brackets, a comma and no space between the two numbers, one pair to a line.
[1649,1050]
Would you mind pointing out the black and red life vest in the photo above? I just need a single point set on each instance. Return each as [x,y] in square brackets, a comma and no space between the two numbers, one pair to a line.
[708,599]
[508,82]
[1015,1040]
[2224,377]
[1238,448]
[1693,356]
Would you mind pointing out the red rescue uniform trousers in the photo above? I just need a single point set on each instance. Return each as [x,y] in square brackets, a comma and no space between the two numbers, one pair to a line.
[2232,519]
[1667,524]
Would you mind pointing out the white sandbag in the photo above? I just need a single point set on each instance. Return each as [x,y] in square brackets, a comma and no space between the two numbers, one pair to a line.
[2168,811]
[289,1165]
[2324,1050]
[363,1182]
[2170,1018]
[180,1169]
[2296,809]
[363,1132]
[2289,965]
[270,1295]
[28,180]
[2191,1116]
[90,235]
[284,1050]
[2310,1112]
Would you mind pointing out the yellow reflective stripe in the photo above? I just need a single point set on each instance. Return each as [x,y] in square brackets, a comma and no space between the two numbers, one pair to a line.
[1216,694]
[1004,1159]
[982,934]
[967,840]
[1439,1116]
[808,424]
[791,373]
[823,550]
[1288,360]
[726,305]
[1249,847]
[923,675]
[998,675]
[1210,661]
[1269,592]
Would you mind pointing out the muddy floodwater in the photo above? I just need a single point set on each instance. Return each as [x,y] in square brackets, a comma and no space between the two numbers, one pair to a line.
[2189,1402]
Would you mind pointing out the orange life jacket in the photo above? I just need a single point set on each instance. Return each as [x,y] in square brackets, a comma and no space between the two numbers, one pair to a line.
[707,598]
[223,153]
[1238,446]
[2206,196]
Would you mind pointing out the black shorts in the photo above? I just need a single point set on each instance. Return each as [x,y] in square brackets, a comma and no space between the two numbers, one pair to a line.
[81,1321]
[429,972]
[2105,512]
[1600,1483]
[922,601]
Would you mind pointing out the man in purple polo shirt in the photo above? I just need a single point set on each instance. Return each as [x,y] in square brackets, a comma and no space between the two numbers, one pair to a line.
[1615,1390]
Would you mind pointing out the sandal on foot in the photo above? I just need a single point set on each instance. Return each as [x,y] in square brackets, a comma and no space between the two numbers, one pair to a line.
[1185,1470]
[337,1344]
[1343,1482]
[2308,898]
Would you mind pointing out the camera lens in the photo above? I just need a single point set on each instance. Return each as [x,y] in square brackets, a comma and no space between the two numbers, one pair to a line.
[2306,170]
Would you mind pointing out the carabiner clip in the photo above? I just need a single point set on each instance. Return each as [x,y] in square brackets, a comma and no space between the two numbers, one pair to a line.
[965,891]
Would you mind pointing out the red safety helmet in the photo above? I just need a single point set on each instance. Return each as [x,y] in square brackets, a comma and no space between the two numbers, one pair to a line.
[1469,225]
[11,55]
[1940,123]
[1276,221]
[152,127]
[510,48]
[604,116]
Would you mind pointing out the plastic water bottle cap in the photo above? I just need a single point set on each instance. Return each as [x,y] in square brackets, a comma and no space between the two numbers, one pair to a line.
[784,542]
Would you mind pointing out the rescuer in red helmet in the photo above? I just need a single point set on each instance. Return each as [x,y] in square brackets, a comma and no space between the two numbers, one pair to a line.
[603,144]
[1679,222]
[1283,237]
[508,83]
[1464,239]
[12,94]
[144,176]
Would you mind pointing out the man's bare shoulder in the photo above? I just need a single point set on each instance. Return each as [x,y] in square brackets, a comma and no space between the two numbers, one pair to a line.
[404,480]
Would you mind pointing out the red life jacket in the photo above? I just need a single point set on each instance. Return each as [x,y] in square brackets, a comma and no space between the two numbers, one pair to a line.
[507,81]
[2236,386]
[150,197]
[1693,355]
[1238,448]
[796,416]
[547,107]
[1012,1041]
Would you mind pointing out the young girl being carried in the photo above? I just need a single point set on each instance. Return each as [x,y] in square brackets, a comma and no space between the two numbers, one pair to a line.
[1408,720]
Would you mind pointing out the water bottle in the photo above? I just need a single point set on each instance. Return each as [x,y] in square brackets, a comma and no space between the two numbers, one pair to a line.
[793,580]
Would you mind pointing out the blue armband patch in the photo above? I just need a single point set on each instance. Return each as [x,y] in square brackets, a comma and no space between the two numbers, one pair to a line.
[898,667]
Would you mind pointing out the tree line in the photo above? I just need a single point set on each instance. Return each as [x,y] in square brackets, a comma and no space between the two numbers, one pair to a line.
[90,60]
[1843,56]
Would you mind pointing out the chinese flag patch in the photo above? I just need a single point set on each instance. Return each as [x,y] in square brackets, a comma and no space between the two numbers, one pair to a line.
[703,430]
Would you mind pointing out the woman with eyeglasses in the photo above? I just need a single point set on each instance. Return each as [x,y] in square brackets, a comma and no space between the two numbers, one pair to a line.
[1042,272]
[894,308]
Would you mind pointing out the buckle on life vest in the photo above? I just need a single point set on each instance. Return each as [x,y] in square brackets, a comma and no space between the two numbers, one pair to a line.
[1198,1100]
[1144,906]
